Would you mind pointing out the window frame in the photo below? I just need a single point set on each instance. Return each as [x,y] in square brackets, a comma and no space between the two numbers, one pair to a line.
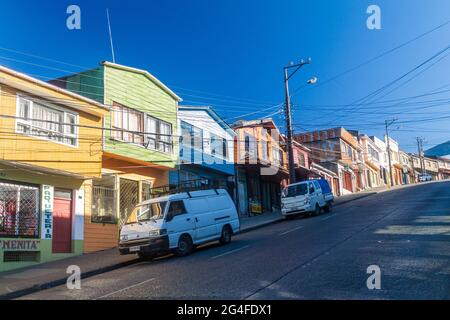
[147,136]
[176,215]
[29,122]
[121,130]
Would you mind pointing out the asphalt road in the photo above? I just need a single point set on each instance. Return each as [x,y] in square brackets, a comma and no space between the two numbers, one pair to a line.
[405,232]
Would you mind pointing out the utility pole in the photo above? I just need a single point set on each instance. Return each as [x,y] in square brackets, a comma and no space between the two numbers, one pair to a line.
[387,123]
[420,150]
[287,109]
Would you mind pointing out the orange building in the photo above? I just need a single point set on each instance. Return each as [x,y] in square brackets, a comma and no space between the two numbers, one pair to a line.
[261,166]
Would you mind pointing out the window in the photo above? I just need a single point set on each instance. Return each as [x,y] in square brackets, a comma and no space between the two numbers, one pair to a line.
[264,149]
[127,124]
[19,210]
[192,136]
[373,153]
[276,155]
[46,122]
[301,159]
[250,146]
[104,197]
[139,128]
[219,146]
[176,208]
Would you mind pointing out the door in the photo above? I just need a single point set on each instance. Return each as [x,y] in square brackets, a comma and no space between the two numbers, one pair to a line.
[179,221]
[242,198]
[205,214]
[319,193]
[348,181]
[62,221]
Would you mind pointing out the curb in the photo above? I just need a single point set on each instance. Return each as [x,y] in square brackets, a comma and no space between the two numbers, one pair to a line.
[61,281]
[264,224]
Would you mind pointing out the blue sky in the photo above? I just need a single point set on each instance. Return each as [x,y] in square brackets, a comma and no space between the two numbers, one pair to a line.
[230,54]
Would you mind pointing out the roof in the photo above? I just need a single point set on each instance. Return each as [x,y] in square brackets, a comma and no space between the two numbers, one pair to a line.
[257,122]
[145,73]
[210,110]
[50,86]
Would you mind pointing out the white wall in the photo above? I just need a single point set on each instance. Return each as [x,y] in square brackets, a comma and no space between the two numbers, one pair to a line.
[201,119]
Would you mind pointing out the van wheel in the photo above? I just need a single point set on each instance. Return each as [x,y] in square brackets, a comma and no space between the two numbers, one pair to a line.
[225,237]
[328,208]
[185,246]
[317,210]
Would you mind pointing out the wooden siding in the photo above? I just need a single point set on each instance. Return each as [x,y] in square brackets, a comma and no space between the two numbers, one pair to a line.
[84,159]
[136,91]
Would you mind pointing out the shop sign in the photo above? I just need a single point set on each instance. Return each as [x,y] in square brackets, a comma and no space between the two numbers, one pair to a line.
[47,212]
[19,245]
[256,207]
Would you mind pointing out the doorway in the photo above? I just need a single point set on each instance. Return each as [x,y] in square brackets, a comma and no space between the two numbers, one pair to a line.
[62,221]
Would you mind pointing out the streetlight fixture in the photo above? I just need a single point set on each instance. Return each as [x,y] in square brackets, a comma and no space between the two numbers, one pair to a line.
[289,129]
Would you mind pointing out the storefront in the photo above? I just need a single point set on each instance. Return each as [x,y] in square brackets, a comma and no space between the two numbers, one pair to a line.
[123,184]
[41,216]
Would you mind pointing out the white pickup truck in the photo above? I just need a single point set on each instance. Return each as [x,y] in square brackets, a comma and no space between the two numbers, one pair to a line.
[309,197]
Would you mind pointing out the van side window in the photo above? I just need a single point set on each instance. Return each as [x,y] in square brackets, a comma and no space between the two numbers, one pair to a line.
[176,208]
[311,187]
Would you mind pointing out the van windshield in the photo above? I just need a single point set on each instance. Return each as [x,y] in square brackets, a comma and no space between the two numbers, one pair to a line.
[146,212]
[296,190]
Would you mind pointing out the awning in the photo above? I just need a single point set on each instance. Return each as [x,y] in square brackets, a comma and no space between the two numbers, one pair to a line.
[42,170]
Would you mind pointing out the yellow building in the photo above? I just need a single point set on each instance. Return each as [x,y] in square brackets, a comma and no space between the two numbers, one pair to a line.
[50,150]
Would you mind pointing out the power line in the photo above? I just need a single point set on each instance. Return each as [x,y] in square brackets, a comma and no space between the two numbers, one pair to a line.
[378,56]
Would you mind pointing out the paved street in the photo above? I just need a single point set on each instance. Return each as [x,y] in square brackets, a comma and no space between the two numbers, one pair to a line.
[405,232]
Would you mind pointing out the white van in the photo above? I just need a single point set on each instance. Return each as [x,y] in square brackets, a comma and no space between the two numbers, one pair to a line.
[310,197]
[178,222]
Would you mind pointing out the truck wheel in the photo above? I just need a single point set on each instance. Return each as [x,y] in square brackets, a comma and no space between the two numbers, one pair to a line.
[328,207]
[225,237]
[185,246]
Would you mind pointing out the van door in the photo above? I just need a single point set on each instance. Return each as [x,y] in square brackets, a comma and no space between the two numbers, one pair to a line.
[319,193]
[179,221]
[204,213]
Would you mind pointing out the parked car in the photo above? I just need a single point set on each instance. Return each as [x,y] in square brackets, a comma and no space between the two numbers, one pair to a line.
[425,177]
[179,222]
[307,197]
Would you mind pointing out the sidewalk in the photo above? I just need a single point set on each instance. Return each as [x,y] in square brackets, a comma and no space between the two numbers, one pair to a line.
[16,283]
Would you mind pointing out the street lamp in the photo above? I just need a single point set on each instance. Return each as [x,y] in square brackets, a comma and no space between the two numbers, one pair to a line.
[289,129]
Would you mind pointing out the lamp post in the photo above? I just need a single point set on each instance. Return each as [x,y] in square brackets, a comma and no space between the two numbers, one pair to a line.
[290,132]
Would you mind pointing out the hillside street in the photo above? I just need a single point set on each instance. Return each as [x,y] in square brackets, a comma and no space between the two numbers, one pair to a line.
[405,232]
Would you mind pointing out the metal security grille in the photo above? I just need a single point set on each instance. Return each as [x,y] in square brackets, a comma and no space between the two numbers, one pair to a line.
[21,256]
[128,198]
[19,210]
[103,205]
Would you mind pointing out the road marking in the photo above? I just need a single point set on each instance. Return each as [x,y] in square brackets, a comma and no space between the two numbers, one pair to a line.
[229,252]
[291,230]
[135,285]
[326,218]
